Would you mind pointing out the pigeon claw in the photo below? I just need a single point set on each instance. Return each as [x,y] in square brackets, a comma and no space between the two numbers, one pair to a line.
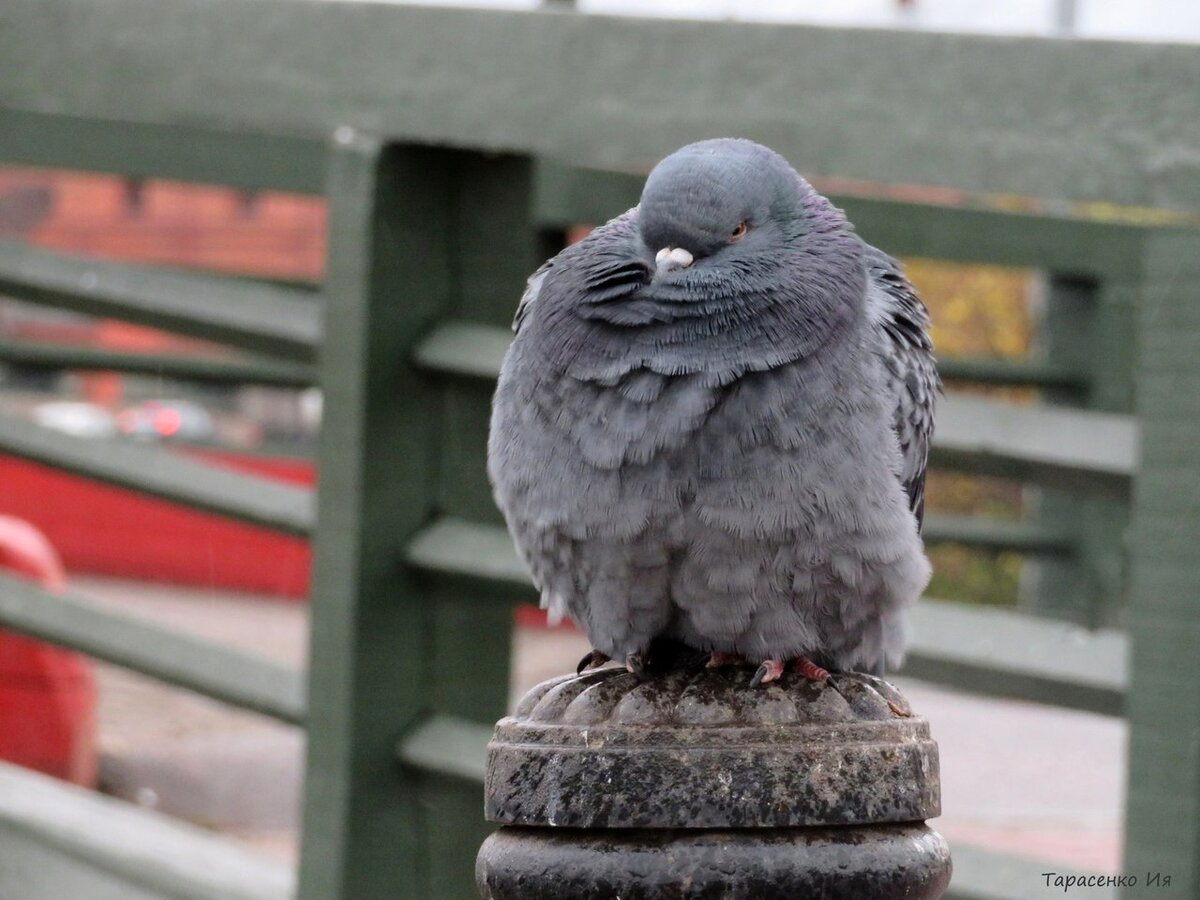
[593,660]
[769,671]
[809,669]
[773,669]
[638,664]
[720,659]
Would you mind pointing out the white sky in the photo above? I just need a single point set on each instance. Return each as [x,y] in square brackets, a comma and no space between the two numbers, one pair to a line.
[1154,20]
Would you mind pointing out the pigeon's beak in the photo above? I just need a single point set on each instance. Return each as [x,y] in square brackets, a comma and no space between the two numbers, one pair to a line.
[668,259]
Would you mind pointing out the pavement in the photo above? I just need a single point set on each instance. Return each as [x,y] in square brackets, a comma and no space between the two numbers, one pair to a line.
[1020,778]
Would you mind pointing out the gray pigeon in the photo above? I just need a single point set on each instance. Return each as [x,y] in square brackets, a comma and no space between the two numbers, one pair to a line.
[713,423]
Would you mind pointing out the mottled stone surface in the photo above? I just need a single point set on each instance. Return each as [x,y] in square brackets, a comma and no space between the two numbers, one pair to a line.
[846,863]
[701,749]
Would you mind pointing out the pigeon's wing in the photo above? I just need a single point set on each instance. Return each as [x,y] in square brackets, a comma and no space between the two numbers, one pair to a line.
[533,287]
[902,342]
[593,259]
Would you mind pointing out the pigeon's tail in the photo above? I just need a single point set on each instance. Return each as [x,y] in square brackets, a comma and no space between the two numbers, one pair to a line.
[556,608]
[894,640]
[884,646]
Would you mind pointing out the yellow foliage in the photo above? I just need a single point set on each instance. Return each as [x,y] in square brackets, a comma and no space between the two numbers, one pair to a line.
[977,310]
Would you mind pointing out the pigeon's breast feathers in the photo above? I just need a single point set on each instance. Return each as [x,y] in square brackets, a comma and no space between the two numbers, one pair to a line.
[730,263]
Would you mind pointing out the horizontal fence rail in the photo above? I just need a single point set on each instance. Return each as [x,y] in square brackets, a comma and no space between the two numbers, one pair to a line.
[166,474]
[199,665]
[1016,373]
[1066,448]
[997,534]
[1000,653]
[214,369]
[181,152]
[445,745]
[249,315]
[98,847]
[1014,122]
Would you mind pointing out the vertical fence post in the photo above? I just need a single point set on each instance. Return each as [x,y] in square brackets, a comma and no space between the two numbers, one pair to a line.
[496,249]
[416,235]
[1089,327]
[389,273]
[1162,834]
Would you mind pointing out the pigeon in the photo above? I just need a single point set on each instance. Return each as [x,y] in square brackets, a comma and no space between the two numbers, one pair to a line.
[712,426]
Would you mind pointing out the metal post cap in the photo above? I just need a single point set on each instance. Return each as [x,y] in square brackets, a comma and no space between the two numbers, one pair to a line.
[702,749]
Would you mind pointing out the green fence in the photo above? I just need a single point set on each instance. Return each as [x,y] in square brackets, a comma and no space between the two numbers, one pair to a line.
[450,144]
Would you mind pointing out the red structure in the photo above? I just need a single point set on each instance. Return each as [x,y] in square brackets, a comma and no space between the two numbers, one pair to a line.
[47,695]
[110,531]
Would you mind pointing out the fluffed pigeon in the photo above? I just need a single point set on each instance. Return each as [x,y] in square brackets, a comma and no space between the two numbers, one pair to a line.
[712,425]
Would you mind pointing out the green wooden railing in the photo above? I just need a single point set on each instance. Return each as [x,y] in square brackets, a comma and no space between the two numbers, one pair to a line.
[451,145]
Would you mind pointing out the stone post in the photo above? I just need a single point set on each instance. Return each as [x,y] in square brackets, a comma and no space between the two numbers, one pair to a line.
[695,785]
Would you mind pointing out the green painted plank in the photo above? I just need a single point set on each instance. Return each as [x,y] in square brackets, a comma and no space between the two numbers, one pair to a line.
[212,369]
[461,802]
[1068,448]
[58,840]
[1167,489]
[1012,114]
[496,247]
[250,315]
[498,238]
[389,273]
[1086,327]
[483,553]
[1167,350]
[1167,538]
[468,349]
[162,473]
[199,665]
[464,491]
[999,653]
[447,745]
[1011,372]
[997,535]
[1162,824]
[178,152]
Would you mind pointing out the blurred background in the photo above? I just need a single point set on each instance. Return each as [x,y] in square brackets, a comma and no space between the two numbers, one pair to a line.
[125,423]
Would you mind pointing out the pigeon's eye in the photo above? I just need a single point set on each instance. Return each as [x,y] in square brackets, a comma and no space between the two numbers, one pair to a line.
[738,233]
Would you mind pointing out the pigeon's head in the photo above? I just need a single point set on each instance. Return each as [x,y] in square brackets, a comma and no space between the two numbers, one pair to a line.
[721,201]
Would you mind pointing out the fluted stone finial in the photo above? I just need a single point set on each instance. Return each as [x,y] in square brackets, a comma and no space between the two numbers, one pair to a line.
[701,749]
[794,786]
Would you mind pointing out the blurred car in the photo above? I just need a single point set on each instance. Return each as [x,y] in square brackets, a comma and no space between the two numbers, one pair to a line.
[161,420]
[76,418]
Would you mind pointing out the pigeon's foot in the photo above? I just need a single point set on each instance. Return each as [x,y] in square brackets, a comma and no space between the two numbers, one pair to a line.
[720,659]
[809,669]
[770,670]
[773,669]
[638,664]
[593,660]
